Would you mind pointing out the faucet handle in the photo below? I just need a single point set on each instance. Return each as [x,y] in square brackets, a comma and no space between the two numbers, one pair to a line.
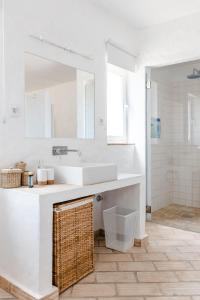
[59,150]
[63,150]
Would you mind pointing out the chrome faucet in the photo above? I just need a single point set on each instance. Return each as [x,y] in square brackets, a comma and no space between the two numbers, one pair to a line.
[63,150]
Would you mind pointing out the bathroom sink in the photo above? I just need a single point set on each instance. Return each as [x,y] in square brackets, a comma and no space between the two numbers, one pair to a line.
[85,173]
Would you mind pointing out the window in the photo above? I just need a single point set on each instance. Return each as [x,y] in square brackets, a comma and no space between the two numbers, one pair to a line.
[117,105]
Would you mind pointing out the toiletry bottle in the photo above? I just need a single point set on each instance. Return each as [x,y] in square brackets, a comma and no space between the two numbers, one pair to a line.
[50,176]
[30,180]
[41,176]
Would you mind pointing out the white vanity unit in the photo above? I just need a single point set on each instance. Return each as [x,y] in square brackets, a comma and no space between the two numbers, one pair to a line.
[26,217]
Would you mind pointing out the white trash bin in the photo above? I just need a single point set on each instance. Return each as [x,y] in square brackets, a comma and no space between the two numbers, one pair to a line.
[119,225]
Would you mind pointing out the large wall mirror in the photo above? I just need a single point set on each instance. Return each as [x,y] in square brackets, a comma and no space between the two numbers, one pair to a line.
[59,100]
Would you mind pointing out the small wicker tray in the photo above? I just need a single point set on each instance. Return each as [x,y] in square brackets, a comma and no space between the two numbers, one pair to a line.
[21,165]
[10,178]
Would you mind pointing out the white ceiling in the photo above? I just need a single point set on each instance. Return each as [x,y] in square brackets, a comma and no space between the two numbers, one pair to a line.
[145,13]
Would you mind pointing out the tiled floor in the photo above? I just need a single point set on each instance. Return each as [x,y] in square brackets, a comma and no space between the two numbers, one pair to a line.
[167,268]
[178,216]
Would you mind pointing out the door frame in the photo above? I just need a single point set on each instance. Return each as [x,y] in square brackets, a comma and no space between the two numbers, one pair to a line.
[148,125]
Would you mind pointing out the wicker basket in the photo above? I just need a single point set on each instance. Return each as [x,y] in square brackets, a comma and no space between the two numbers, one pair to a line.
[10,178]
[21,165]
[73,242]
[25,178]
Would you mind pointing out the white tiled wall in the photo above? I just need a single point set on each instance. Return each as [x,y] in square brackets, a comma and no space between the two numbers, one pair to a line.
[161,150]
[175,162]
[186,157]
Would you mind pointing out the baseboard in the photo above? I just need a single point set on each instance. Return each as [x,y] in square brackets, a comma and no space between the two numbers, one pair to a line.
[20,294]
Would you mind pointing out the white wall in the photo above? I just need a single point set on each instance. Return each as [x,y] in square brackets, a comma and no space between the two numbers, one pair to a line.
[76,24]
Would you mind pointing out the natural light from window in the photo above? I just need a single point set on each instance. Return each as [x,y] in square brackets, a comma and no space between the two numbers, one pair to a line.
[116,104]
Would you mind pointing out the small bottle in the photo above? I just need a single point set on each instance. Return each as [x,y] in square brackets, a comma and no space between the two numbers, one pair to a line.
[50,176]
[30,180]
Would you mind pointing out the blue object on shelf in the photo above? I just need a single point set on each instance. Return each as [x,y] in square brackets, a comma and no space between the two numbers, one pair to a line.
[155,128]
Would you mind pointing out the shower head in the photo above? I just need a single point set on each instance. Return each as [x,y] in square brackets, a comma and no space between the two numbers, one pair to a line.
[195,74]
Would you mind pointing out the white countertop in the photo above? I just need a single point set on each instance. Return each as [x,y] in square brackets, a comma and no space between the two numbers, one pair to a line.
[123,180]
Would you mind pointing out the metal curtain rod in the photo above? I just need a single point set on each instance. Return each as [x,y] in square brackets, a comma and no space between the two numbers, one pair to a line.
[117,46]
[45,41]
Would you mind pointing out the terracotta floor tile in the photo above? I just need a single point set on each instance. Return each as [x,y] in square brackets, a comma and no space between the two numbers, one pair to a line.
[93,290]
[178,216]
[173,265]
[102,250]
[91,278]
[190,249]
[106,266]
[138,289]
[137,250]
[149,257]
[169,298]
[67,293]
[114,257]
[195,264]
[195,242]
[70,298]
[124,298]
[156,277]
[183,256]
[133,250]
[113,277]
[180,288]
[167,242]
[136,266]
[188,275]
[95,257]
[161,249]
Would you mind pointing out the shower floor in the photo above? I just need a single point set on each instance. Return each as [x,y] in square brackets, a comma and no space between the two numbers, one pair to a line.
[178,216]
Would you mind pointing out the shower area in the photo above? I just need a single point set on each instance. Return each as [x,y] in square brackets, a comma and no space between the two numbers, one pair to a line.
[174,145]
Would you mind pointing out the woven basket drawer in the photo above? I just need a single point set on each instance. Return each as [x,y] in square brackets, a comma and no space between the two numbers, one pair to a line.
[73,242]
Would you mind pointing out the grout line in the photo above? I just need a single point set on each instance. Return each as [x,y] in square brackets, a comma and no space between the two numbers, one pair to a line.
[137,279]
[116,291]
[117,263]
[133,256]
[156,269]
[190,262]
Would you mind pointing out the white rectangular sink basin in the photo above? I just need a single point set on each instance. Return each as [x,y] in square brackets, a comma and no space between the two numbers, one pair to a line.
[85,173]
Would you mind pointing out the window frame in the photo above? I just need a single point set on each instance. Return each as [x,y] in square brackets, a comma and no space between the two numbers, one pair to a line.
[124,74]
